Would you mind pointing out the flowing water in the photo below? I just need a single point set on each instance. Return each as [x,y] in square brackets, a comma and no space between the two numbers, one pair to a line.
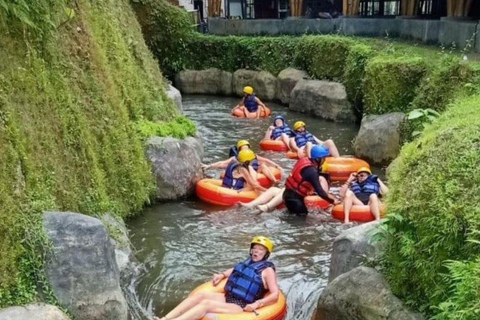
[180,245]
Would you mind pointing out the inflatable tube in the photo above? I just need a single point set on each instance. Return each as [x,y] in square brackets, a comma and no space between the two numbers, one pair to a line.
[211,191]
[339,168]
[360,213]
[263,114]
[315,202]
[273,145]
[262,179]
[276,311]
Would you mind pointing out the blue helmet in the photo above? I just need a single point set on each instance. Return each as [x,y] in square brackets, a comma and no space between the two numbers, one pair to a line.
[319,152]
[278,117]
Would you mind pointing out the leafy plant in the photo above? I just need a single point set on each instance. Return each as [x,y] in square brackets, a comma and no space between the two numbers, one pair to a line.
[420,118]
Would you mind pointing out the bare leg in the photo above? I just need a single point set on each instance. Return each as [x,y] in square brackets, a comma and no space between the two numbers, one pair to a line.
[199,311]
[301,152]
[332,147]
[374,204]
[349,201]
[285,139]
[191,302]
[263,198]
[273,203]
[308,149]
[324,184]
[267,172]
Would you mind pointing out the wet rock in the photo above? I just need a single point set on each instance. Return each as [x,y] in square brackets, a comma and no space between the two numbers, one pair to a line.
[287,80]
[324,99]
[379,137]
[352,247]
[175,95]
[361,294]
[242,78]
[36,311]
[176,165]
[82,269]
[119,237]
[211,81]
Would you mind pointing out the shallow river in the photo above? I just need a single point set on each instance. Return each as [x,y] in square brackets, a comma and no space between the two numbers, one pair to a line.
[180,245]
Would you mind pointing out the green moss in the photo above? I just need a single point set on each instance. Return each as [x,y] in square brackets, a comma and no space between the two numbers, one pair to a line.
[433,211]
[390,83]
[180,128]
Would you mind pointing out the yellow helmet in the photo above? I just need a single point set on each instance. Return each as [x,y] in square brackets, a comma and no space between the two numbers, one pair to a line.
[298,125]
[264,241]
[248,90]
[364,169]
[242,143]
[246,155]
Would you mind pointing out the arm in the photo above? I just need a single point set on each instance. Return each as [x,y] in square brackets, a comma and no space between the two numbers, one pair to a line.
[220,164]
[267,161]
[261,106]
[383,187]
[346,185]
[252,182]
[217,277]
[271,280]
[240,104]
[318,140]
[310,174]
[293,144]
[268,134]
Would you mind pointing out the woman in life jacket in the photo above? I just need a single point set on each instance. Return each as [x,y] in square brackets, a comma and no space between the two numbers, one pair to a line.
[363,188]
[303,141]
[279,131]
[250,104]
[259,164]
[305,178]
[246,286]
[238,174]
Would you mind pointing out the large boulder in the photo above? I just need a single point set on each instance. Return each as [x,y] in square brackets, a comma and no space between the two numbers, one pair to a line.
[361,294]
[242,78]
[287,80]
[352,247]
[379,137]
[36,311]
[81,268]
[211,81]
[324,99]
[175,95]
[176,165]
[123,249]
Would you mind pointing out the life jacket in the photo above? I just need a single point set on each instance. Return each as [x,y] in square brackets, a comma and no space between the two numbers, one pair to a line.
[251,103]
[369,186]
[255,164]
[245,282]
[301,138]
[233,152]
[295,181]
[278,131]
[229,181]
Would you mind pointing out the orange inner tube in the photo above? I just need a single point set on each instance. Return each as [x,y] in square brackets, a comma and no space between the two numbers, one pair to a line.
[263,113]
[276,311]
[359,213]
[262,179]
[211,191]
[316,202]
[273,145]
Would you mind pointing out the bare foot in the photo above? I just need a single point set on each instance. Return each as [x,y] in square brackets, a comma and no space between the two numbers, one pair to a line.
[245,204]
[263,207]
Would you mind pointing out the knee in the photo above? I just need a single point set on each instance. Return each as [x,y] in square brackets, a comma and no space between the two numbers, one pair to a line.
[199,297]
[373,197]
[206,304]
[349,194]
[329,142]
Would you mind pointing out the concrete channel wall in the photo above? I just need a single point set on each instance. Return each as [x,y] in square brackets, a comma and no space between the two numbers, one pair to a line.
[440,32]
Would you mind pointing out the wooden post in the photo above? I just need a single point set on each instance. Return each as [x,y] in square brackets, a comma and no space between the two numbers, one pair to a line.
[450,8]
[468,6]
[345,7]
[355,7]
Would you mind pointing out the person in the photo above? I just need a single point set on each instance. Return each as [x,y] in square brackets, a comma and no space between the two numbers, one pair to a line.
[279,131]
[238,174]
[260,164]
[267,201]
[303,141]
[306,177]
[363,188]
[245,289]
[250,103]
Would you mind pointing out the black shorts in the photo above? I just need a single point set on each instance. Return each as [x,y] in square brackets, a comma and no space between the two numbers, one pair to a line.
[232,299]
[364,197]
[294,202]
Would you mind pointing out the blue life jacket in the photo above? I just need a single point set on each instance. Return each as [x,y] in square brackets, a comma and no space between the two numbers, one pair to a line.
[255,164]
[278,131]
[301,139]
[229,181]
[233,152]
[245,282]
[251,103]
[369,186]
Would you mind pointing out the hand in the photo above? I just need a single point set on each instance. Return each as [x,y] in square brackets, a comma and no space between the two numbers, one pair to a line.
[217,278]
[251,307]
[271,128]
[336,201]
[205,166]
[352,177]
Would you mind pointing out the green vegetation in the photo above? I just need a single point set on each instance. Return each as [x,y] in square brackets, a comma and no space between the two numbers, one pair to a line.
[77,82]
[434,218]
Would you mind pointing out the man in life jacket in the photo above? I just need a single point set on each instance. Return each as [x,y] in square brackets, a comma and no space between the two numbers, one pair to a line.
[259,164]
[279,131]
[238,175]
[303,141]
[363,188]
[250,103]
[306,177]
[247,284]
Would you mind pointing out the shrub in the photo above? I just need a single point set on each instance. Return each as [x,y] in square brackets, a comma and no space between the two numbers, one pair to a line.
[390,83]
[434,215]
[181,127]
